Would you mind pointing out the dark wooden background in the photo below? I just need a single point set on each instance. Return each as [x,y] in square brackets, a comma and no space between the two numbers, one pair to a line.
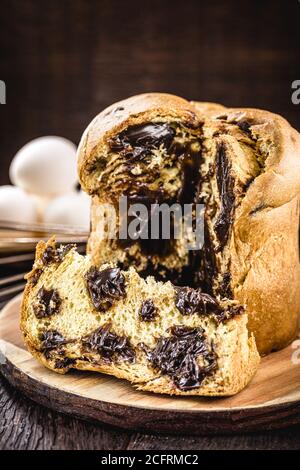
[64,61]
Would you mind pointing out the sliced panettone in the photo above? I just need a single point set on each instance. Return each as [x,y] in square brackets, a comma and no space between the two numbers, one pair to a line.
[160,337]
[243,165]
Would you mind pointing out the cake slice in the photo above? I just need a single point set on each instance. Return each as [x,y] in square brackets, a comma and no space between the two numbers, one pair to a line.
[162,338]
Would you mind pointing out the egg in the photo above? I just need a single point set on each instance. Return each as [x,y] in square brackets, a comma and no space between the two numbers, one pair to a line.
[16,205]
[70,209]
[45,166]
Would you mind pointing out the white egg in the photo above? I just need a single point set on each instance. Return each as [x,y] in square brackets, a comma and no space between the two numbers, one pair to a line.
[45,166]
[70,209]
[16,205]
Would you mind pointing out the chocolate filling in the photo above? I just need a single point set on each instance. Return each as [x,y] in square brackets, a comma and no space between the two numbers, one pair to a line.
[189,301]
[136,141]
[109,345]
[47,303]
[148,311]
[51,340]
[184,152]
[225,286]
[64,363]
[105,287]
[56,255]
[225,185]
[178,356]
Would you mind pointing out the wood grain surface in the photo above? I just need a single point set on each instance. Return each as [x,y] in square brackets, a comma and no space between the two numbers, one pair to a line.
[272,400]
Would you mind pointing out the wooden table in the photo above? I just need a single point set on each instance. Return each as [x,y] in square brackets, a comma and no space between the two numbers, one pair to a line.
[26,425]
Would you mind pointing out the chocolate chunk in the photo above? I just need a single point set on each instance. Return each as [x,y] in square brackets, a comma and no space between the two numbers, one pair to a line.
[34,279]
[56,255]
[109,345]
[244,125]
[225,184]
[189,301]
[64,363]
[105,287]
[148,311]
[225,287]
[136,141]
[51,340]
[230,312]
[177,356]
[47,303]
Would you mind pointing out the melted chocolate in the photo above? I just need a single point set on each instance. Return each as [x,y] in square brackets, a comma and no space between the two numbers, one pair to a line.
[64,363]
[56,255]
[105,287]
[189,301]
[177,357]
[51,340]
[225,287]
[148,311]
[225,187]
[137,141]
[189,157]
[190,171]
[109,345]
[48,303]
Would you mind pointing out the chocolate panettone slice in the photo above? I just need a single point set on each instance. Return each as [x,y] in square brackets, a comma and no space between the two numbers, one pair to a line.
[162,338]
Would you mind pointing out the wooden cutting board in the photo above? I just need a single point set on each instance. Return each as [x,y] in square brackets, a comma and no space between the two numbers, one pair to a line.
[272,400]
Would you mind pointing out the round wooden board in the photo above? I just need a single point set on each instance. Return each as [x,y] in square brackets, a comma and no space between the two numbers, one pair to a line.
[272,400]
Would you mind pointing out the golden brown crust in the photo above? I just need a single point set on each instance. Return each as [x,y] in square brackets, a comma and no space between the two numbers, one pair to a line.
[264,258]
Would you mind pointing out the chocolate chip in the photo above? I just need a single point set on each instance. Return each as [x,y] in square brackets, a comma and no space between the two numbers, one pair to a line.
[244,125]
[49,255]
[190,301]
[51,340]
[56,255]
[230,312]
[148,311]
[34,279]
[109,345]
[225,287]
[64,363]
[105,287]
[47,303]
[177,356]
